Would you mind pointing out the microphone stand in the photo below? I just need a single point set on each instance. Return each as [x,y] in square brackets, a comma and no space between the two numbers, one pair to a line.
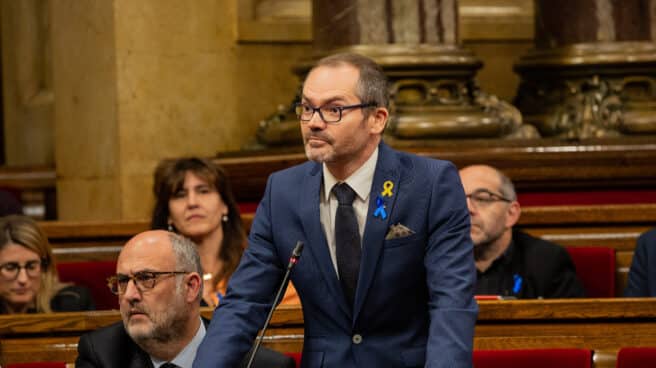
[296,254]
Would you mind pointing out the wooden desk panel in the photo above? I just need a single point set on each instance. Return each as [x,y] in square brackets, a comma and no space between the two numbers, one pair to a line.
[533,165]
[602,325]
[90,240]
[615,226]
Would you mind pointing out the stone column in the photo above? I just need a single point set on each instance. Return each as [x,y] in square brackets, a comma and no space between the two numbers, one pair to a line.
[434,94]
[593,70]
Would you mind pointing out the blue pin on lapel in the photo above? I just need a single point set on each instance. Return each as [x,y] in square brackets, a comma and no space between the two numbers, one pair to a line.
[380,208]
[517,284]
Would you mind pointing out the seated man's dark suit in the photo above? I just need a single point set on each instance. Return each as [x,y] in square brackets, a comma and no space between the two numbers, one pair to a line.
[531,268]
[112,347]
[642,276]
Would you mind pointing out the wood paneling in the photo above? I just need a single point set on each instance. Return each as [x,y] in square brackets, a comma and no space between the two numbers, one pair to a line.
[615,226]
[543,165]
[597,324]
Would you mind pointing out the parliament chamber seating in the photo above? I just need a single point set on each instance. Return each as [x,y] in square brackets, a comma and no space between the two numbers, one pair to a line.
[533,358]
[38,365]
[296,357]
[34,186]
[94,276]
[632,357]
[595,267]
[600,239]
[594,220]
[601,326]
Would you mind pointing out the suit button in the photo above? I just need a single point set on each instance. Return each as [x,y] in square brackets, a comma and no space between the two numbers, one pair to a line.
[357,338]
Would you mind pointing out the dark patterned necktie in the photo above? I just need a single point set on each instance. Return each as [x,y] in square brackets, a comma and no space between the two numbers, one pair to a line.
[347,241]
[169,365]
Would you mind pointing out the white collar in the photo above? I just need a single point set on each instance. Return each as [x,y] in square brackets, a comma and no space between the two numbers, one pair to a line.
[360,181]
[185,358]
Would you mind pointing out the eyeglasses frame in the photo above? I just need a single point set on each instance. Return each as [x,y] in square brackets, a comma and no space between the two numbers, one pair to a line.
[114,279]
[43,264]
[495,197]
[318,109]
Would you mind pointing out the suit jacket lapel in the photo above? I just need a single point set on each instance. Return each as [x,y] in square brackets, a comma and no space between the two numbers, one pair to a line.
[140,359]
[387,169]
[316,239]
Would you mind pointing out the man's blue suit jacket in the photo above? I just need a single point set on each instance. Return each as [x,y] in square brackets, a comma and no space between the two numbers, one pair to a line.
[642,275]
[414,303]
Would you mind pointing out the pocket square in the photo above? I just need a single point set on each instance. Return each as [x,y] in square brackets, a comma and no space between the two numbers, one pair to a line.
[398,231]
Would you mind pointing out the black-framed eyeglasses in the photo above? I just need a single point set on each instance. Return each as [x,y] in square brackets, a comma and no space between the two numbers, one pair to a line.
[484,197]
[143,280]
[327,113]
[10,270]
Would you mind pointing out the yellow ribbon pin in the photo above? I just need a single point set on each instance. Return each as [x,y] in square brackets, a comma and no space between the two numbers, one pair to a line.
[387,186]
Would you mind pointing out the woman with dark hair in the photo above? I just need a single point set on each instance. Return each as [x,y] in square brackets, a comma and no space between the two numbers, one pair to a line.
[28,277]
[193,198]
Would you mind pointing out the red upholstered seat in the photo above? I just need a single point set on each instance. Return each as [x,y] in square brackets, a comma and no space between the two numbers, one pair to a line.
[38,365]
[94,276]
[595,266]
[636,357]
[534,358]
[296,357]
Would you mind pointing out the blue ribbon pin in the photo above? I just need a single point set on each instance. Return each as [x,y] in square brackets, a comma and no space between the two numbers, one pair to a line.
[517,284]
[380,208]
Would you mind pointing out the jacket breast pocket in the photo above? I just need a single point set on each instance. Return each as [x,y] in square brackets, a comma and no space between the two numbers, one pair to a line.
[405,241]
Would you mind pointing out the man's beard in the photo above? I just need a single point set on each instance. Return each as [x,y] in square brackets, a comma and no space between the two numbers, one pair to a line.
[165,328]
[162,332]
[312,154]
[481,250]
[486,247]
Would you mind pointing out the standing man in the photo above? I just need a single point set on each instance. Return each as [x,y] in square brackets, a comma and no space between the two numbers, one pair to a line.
[642,275]
[158,284]
[387,275]
[510,262]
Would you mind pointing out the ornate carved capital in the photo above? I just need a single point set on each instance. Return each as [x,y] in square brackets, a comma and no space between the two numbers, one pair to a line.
[590,90]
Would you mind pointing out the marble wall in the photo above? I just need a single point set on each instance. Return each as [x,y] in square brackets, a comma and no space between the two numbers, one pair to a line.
[27,83]
[86,110]
[149,80]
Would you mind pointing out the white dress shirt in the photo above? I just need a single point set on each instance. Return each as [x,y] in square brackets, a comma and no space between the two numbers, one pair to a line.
[360,181]
[186,357]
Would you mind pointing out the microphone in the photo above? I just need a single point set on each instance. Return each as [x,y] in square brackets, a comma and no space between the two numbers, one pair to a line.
[293,259]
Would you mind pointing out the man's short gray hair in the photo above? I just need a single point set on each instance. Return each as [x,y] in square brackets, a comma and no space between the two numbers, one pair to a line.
[507,188]
[186,256]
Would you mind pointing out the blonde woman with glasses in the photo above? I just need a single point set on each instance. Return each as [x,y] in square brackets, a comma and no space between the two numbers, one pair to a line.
[28,276]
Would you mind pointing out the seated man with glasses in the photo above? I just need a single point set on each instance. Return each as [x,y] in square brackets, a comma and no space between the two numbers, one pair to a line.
[158,284]
[511,263]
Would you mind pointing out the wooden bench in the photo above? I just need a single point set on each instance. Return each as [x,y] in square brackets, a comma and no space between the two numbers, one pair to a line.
[35,187]
[614,226]
[534,166]
[618,164]
[602,325]
[90,240]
